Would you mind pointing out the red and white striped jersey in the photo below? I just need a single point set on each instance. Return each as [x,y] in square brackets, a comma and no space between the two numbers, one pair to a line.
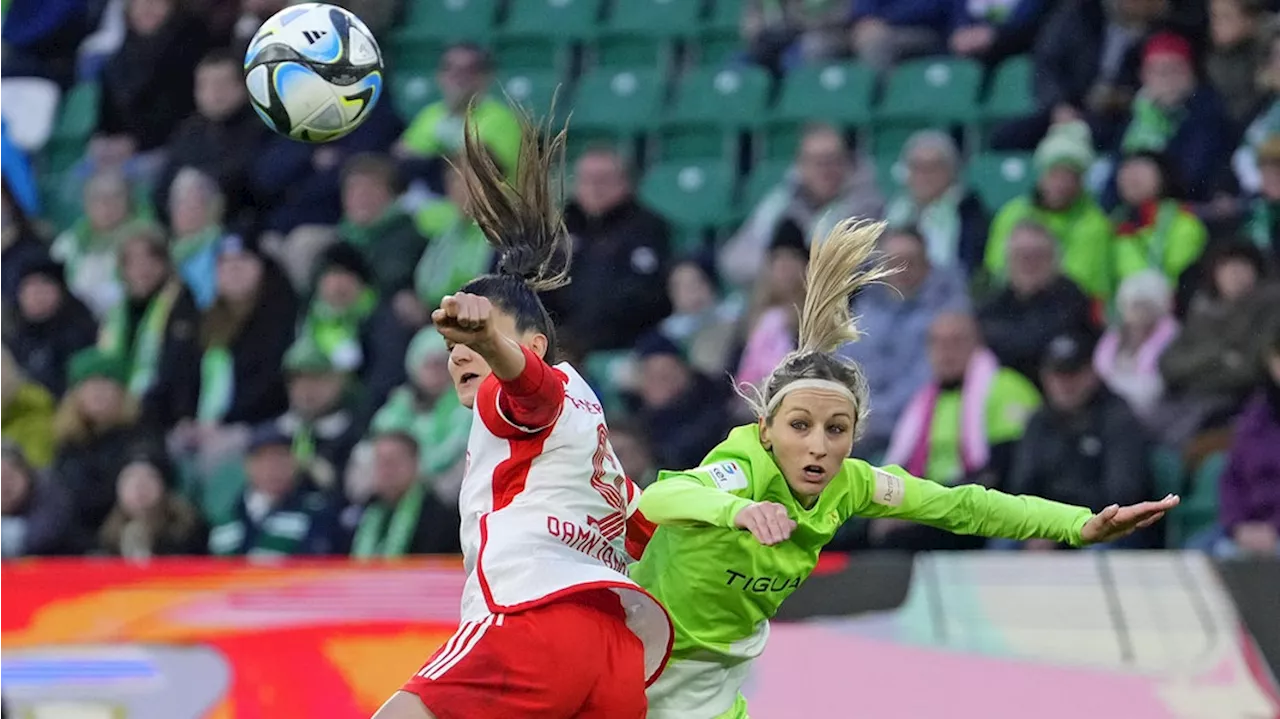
[547,510]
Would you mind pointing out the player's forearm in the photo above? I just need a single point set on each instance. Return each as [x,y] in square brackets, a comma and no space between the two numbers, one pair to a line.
[504,356]
[680,500]
[989,513]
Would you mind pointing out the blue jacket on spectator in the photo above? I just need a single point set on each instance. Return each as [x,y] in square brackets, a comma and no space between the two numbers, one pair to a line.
[18,177]
[932,14]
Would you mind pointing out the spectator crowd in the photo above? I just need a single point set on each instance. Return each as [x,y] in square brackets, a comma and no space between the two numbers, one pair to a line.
[217,340]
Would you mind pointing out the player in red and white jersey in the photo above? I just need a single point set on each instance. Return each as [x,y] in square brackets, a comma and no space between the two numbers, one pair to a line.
[551,624]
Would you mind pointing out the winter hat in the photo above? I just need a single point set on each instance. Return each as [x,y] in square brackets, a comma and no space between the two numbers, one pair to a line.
[1067,143]
[305,357]
[788,235]
[344,257]
[93,362]
[425,344]
[1149,286]
[45,267]
[655,344]
[1167,43]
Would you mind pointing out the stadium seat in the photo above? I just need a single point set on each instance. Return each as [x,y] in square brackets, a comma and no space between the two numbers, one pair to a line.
[531,52]
[1199,509]
[412,92]
[931,91]
[539,34]
[839,93]
[720,37]
[710,106]
[693,196]
[999,177]
[764,176]
[451,19]
[534,90]
[891,175]
[643,33]
[1010,92]
[617,103]
[77,119]
[413,52]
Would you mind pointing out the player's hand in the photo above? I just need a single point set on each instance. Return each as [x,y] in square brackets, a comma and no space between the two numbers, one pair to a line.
[465,319]
[1115,521]
[767,521]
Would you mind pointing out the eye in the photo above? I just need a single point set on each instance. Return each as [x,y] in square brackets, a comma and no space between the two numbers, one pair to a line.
[799,425]
[837,429]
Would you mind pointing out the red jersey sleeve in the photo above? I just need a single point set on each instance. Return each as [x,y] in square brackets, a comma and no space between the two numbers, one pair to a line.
[639,529]
[526,405]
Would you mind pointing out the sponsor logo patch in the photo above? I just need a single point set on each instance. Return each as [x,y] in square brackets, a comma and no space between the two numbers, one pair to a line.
[727,475]
[889,489]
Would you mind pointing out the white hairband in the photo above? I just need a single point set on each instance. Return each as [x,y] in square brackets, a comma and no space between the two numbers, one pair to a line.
[819,384]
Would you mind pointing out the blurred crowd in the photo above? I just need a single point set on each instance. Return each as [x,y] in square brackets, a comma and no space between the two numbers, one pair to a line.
[223,346]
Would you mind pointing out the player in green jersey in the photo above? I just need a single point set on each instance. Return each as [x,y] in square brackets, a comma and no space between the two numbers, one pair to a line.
[737,535]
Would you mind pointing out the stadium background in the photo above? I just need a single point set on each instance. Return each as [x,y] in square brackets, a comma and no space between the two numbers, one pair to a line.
[708,139]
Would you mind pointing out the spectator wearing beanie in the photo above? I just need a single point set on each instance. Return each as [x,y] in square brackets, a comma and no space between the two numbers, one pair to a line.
[1128,355]
[154,332]
[244,337]
[355,328]
[38,514]
[700,323]
[427,408]
[1061,204]
[151,518]
[96,424]
[26,415]
[323,414]
[280,512]
[683,412]
[1174,113]
[50,326]
[1153,229]
[1038,304]
[895,318]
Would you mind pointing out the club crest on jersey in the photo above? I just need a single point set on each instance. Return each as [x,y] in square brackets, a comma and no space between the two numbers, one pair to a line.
[727,475]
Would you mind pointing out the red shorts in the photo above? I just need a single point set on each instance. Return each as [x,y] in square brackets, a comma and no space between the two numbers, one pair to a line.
[574,657]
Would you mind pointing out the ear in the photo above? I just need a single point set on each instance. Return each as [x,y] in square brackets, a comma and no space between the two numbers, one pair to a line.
[538,343]
[765,440]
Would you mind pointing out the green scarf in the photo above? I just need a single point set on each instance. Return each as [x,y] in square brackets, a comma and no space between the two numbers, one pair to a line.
[361,236]
[454,256]
[444,427]
[148,337]
[1262,221]
[80,241]
[376,537]
[217,385]
[184,248]
[939,222]
[1152,126]
[337,331]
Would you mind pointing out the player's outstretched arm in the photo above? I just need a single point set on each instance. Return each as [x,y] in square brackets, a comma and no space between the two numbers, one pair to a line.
[973,509]
[684,499]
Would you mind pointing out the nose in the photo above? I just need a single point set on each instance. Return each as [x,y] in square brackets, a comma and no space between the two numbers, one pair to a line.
[817,446]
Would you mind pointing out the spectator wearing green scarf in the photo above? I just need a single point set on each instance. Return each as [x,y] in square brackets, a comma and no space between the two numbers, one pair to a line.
[1060,203]
[427,409]
[458,251]
[375,225]
[323,415]
[1153,229]
[403,517]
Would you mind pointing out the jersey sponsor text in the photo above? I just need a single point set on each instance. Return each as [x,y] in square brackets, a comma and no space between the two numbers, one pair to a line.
[760,585]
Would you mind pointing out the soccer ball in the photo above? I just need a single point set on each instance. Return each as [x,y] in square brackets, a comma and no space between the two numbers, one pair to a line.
[314,72]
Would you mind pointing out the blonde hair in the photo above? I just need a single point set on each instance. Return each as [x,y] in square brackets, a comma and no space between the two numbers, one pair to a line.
[839,265]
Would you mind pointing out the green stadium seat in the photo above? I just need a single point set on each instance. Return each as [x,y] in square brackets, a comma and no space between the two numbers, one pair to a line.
[710,106]
[630,49]
[76,121]
[414,52]
[764,176]
[998,177]
[569,19]
[1010,92]
[411,92]
[720,37]
[1199,508]
[693,196]
[726,14]
[930,92]
[889,141]
[891,175]
[641,33]
[534,90]
[604,368]
[839,93]
[531,52]
[619,103]
[451,19]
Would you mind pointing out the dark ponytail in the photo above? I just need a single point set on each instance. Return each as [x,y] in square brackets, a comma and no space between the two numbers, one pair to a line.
[523,222]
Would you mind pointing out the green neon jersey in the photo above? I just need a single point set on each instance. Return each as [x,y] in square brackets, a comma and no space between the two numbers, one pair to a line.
[721,586]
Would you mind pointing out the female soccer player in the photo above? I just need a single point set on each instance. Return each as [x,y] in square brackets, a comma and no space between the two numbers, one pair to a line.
[737,535]
[551,625]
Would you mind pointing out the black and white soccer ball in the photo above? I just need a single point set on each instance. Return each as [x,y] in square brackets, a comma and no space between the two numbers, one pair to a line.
[314,72]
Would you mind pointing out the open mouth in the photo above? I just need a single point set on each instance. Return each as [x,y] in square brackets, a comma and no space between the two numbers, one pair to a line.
[814,473]
[467,377]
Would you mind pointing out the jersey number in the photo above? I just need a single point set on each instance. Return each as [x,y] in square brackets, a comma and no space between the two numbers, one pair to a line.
[613,525]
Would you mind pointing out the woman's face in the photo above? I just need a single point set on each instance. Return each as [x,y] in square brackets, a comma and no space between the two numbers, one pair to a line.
[1234,278]
[139,488]
[1059,187]
[1139,181]
[147,16]
[810,435]
[142,269]
[191,212]
[39,298]
[14,487]
[468,369]
[106,206]
[432,376]
[1228,23]
[1140,315]
[689,290]
[339,289]
[100,399]
[239,275]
